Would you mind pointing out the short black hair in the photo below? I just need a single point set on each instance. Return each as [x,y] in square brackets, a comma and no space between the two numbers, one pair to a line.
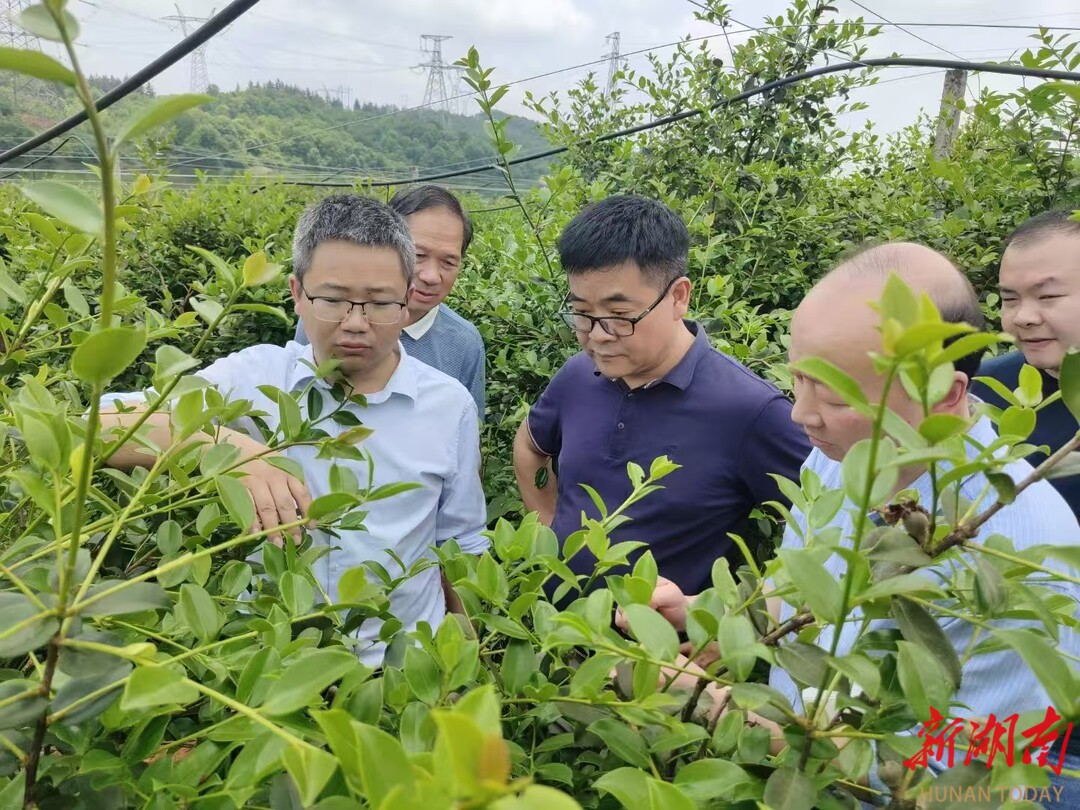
[422,198]
[627,228]
[1042,226]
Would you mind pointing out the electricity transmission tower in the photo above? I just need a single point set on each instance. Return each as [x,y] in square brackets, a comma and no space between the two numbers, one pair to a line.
[342,94]
[200,76]
[615,62]
[11,36]
[441,82]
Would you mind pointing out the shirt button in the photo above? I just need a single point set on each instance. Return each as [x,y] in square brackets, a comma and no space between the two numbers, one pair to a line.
[630,395]
[621,425]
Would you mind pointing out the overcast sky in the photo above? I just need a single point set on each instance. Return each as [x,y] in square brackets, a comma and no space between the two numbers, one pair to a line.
[372,47]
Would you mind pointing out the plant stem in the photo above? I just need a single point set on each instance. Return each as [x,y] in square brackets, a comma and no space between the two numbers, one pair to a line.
[860,527]
[966,531]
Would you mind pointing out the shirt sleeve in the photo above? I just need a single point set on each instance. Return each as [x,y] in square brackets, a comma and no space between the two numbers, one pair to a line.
[545,417]
[473,377]
[223,374]
[462,512]
[774,444]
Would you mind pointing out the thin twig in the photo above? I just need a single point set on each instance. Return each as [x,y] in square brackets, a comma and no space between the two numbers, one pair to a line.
[966,531]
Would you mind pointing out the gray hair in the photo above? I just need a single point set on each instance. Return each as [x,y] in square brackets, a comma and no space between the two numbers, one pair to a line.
[351,218]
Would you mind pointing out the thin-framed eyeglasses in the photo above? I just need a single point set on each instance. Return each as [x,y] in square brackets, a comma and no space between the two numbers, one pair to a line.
[336,310]
[614,325]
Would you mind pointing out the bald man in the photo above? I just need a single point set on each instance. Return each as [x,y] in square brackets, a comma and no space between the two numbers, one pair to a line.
[998,683]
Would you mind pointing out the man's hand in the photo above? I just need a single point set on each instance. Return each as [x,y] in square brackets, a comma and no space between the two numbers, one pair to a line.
[668,600]
[278,497]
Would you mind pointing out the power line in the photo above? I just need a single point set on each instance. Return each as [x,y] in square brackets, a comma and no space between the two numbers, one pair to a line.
[924,40]
[219,21]
[776,84]
[402,110]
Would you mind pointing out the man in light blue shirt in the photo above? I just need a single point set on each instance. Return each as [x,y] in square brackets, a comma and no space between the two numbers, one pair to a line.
[998,683]
[353,266]
[433,333]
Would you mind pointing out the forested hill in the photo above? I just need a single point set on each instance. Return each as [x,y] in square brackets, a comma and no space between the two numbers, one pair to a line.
[265,128]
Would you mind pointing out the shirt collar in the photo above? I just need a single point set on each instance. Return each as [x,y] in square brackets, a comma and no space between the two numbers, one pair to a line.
[403,381]
[683,373]
[421,327]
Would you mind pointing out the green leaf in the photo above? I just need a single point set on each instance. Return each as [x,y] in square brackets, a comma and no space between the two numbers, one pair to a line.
[537,797]
[383,763]
[628,745]
[1017,422]
[225,272]
[297,593]
[938,427]
[132,597]
[900,584]
[1030,386]
[1070,382]
[629,785]
[305,678]
[736,638]
[286,465]
[804,662]
[518,665]
[41,443]
[310,768]
[707,780]
[107,353]
[237,501]
[38,21]
[67,203]
[106,685]
[830,375]
[788,789]
[654,632]
[422,675]
[36,64]
[898,301]
[855,469]
[816,585]
[920,628]
[161,111]
[150,686]
[198,612]
[24,711]
[235,578]
[1049,667]
[330,504]
[859,670]
[171,362]
[923,680]
[258,271]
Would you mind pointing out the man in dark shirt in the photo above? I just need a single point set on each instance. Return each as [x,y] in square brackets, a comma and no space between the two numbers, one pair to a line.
[1040,307]
[649,384]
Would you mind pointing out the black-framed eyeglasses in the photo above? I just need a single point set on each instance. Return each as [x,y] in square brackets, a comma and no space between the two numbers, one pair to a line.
[615,325]
[336,310]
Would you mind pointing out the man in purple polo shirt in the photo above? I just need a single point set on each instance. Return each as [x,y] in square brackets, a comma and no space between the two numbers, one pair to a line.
[648,384]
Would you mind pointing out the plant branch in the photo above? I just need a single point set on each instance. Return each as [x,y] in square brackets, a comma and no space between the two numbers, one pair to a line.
[966,531]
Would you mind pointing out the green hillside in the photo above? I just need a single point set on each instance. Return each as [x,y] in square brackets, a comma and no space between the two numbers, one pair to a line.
[265,128]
